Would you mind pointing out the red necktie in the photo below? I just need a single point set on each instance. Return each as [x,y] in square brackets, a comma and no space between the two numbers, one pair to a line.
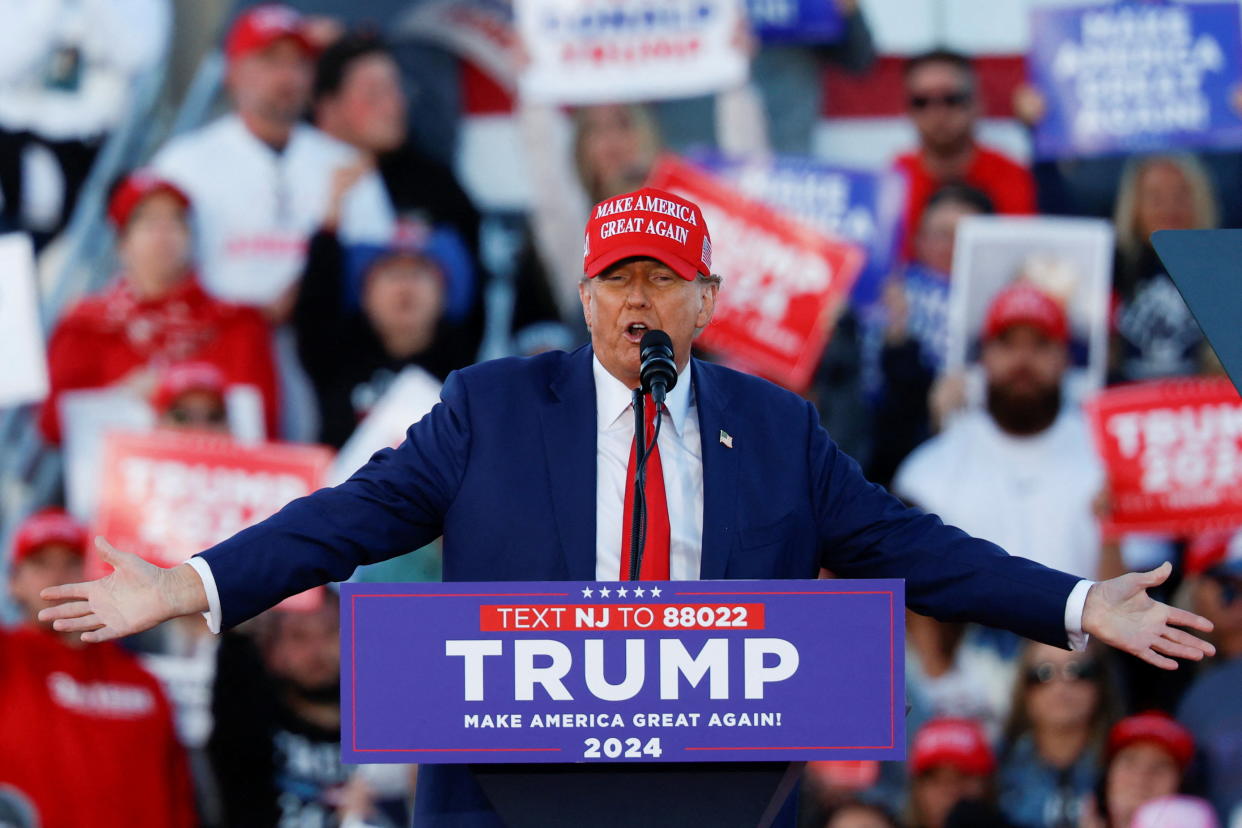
[655,550]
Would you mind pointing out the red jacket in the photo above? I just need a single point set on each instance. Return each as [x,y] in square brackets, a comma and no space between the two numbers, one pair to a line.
[108,335]
[87,736]
[1007,183]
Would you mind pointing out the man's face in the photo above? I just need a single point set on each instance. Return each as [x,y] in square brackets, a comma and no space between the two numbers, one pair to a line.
[404,297]
[273,83]
[197,410]
[638,295]
[938,789]
[1023,367]
[305,648]
[941,103]
[50,565]
[368,110]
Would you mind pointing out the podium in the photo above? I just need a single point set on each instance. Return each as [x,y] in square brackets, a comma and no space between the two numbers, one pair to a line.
[636,703]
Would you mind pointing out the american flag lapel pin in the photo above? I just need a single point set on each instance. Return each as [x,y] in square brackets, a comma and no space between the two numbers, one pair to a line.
[726,439]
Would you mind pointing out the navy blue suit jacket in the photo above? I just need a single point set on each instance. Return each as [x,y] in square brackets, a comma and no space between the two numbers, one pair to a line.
[504,468]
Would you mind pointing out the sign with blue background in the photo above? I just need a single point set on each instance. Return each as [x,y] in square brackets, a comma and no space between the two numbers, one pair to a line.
[796,21]
[1136,77]
[622,672]
[857,205]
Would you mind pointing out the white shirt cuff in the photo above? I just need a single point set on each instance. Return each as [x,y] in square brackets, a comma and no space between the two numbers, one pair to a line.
[1073,615]
[212,615]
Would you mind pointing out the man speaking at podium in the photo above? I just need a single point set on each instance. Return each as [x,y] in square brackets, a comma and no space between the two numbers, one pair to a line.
[526,467]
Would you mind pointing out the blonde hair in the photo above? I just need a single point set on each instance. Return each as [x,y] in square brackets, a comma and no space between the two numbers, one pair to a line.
[641,120]
[1130,241]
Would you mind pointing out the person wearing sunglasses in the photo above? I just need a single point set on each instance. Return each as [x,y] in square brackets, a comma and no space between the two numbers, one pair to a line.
[1212,706]
[191,397]
[943,104]
[1050,757]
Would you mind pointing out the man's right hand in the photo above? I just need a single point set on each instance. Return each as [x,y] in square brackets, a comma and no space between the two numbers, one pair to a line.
[134,597]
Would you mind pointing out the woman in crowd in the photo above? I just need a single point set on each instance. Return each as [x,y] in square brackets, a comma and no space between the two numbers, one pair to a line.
[155,313]
[1154,333]
[1062,707]
[1147,759]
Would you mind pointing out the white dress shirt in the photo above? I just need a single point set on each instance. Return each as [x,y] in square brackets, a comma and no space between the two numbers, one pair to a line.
[682,460]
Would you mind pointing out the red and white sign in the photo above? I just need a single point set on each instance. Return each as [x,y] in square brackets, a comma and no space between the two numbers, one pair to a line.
[784,281]
[615,51]
[1173,449]
[168,495]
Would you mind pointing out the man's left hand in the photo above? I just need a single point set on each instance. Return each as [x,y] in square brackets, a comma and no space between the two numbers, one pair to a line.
[1120,613]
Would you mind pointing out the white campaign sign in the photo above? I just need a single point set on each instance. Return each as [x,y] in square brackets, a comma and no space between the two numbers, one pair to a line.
[412,394]
[590,51]
[24,377]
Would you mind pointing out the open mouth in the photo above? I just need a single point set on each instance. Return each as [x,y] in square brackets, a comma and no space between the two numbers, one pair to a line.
[634,331]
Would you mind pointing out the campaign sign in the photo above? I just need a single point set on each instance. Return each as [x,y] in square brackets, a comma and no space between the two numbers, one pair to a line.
[862,206]
[1173,449]
[1136,77]
[795,21]
[169,495]
[784,281]
[652,671]
[588,51]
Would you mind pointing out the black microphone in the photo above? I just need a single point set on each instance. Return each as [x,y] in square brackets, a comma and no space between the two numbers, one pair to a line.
[656,367]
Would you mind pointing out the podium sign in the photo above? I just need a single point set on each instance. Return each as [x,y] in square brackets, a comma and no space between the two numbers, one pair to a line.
[658,671]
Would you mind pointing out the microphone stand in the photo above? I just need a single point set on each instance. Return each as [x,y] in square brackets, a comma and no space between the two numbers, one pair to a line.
[638,525]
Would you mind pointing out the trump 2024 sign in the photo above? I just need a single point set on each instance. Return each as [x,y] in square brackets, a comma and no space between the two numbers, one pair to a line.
[622,672]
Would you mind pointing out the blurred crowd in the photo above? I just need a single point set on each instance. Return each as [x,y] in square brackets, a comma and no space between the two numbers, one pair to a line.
[305,249]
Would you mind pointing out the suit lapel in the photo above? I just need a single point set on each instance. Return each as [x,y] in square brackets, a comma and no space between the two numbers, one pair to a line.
[569,429]
[720,468]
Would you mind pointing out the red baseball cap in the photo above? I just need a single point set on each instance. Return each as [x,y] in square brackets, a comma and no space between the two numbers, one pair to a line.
[188,376]
[960,743]
[262,26]
[1024,304]
[45,527]
[1153,726]
[651,223]
[138,186]
[1215,549]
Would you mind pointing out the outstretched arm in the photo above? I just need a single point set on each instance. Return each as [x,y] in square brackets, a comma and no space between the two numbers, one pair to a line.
[134,597]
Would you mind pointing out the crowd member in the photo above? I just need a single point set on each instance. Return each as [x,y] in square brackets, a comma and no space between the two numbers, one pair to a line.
[155,313]
[957,671]
[67,73]
[1147,759]
[907,348]
[942,95]
[860,815]
[276,744]
[950,763]
[259,177]
[1155,334]
[81,724]
[352,354]
[1022,472]
[190,396]
[1064,704]
[1212,706]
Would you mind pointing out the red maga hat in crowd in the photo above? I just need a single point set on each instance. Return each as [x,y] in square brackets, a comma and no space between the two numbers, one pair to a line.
[137,187]
[959,743]
[185,377]
[650,223]
[1025,304]
[262,26]
[1156,727]
[45,527]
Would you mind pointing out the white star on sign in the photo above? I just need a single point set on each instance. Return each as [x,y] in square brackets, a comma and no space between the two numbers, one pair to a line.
[655,592]
[603,592]
[639,592]
[622,592]
[586,592]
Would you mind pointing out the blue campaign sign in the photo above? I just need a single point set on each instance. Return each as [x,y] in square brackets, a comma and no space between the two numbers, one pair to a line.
[1136,77]
[796,21]
[858,205]
[653,671]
